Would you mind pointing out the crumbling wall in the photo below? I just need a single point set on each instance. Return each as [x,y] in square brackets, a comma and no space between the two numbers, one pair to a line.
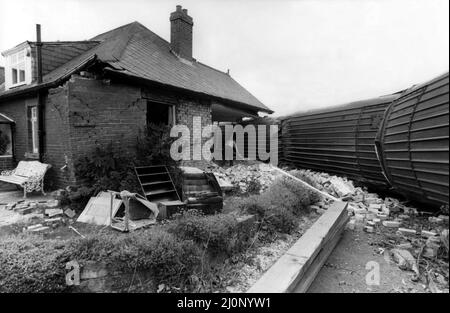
[100,113]
[57,149]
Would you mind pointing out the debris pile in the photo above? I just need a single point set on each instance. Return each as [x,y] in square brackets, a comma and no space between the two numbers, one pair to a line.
[26,207]
[416,240]
[245,177]
[48,212]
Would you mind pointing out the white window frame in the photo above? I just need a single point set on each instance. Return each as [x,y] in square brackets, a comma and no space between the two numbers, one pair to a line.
[18,61]
[34,130]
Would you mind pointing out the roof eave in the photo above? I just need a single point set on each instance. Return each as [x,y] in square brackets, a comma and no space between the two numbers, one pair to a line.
[53,83]
[188,91]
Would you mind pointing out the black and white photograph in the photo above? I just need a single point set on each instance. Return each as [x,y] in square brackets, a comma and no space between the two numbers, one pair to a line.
[224,152]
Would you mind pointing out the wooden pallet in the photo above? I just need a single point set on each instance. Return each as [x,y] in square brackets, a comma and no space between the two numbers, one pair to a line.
[156,183]
[297,268]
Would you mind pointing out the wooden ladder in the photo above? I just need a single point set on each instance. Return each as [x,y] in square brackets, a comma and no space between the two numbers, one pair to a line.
[156,183]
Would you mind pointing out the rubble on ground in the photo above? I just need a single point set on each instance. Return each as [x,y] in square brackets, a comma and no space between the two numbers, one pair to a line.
[416,240]
[48,213]
[241,176]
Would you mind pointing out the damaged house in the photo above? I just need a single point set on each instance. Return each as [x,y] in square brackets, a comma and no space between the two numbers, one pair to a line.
[58,100]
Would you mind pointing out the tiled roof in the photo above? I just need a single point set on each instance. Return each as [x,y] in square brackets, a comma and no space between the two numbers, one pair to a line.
[55,54]
[134,50]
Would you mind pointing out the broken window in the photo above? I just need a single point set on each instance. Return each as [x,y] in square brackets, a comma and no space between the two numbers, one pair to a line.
[160,113]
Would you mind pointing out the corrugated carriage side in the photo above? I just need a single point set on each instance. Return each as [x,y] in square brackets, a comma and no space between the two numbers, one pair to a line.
[338,140]
[413,142]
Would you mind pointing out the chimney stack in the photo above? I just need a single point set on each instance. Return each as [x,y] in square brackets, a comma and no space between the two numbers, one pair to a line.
[39,53]
[181,33]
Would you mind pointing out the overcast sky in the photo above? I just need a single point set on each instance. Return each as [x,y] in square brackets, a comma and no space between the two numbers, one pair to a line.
[292,55]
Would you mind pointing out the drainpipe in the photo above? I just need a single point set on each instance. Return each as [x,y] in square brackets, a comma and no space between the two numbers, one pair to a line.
[40,95]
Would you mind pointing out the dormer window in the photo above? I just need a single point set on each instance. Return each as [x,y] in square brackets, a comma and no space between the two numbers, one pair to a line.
[17,62]
[18,69]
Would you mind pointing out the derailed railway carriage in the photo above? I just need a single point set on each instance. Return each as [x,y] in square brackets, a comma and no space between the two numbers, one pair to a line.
[398,141]
[413,142]
[338,140]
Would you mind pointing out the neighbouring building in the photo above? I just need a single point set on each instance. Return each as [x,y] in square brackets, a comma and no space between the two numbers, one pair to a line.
[58,100]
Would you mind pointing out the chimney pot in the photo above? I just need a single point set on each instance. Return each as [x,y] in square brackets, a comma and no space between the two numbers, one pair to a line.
[178,8]
[185,11]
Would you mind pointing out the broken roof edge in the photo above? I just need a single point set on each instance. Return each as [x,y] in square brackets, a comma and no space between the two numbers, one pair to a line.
[52,83]
[187,91]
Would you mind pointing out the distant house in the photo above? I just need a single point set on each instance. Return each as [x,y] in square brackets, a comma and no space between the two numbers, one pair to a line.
[106,89]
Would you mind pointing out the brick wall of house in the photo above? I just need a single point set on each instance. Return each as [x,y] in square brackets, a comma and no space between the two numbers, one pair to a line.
[186,110]
[56,140]
[100,113]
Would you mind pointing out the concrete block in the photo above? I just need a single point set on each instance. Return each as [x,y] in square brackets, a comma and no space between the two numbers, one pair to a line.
[407,231]
[428,234]
[391,224]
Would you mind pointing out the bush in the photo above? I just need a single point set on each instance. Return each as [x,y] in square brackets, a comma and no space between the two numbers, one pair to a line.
[169,259]
[290,194]
[217,233]
[111,168]
[273,218]
[30,264]
[313,195]
[279,219]
[254,186]
[106,168]
[153,148]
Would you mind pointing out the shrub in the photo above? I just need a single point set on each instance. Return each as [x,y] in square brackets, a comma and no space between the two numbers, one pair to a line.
[217,233]
[153,148]
[254,186]
[290,194]
[253,205]
[112,168]
[273,218]
[168,258]
[313,195]
[280,219]
[30,264]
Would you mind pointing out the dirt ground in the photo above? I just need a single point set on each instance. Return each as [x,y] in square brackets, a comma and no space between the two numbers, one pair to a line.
[345,270]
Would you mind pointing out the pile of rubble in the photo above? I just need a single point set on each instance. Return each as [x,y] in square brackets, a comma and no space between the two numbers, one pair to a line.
[412,238]
[241,176]
[48,211]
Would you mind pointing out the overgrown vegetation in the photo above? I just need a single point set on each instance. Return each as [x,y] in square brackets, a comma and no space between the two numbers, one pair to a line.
[30,264]
[277,208]
[219,233]
[176,254]
[112,168]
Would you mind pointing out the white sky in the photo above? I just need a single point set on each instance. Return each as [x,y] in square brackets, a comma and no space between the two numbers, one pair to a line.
[292,55]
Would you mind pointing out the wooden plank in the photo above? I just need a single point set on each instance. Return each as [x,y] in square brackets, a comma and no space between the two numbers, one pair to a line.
[98,211]
[293,266]
[314,269]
